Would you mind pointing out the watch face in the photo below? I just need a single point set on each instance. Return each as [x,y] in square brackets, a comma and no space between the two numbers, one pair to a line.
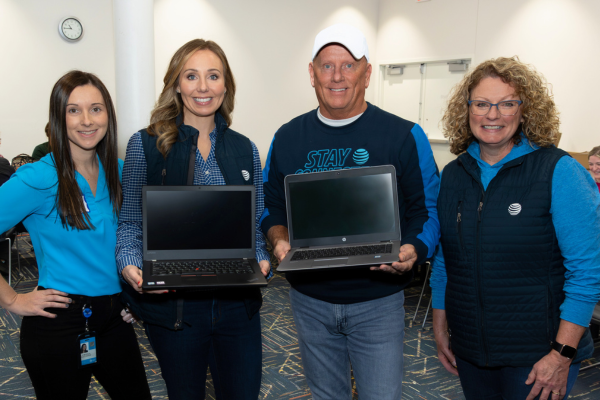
[71,29]
[564,350]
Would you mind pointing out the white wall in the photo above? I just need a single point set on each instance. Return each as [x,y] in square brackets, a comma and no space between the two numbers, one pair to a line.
[268,45]
[561,39]
[558,37]
[33,56]
[435,29]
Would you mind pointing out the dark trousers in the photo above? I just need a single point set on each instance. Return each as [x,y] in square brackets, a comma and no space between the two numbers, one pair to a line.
[51,352]
[219,334]
[501,383]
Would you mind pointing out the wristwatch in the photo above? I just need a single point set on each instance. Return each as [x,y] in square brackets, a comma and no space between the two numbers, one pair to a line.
[564,350]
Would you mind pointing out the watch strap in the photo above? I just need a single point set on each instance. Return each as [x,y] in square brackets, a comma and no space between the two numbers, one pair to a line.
[564,350]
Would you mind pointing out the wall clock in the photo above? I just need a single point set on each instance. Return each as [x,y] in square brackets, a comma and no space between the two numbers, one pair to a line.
[70,29]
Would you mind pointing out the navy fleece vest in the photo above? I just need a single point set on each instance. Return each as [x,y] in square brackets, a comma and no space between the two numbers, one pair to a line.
[505,270]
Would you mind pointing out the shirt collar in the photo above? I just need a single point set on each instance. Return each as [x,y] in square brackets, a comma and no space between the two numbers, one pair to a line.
[520,149]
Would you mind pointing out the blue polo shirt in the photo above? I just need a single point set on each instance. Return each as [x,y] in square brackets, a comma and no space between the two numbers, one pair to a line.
[73,261]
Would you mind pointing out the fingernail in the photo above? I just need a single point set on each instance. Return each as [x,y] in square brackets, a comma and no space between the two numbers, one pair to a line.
[70,300]
[139,283]
[66,305]
[166,291]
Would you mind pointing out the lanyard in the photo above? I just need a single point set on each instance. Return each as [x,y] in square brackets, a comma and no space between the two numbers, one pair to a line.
[87,313]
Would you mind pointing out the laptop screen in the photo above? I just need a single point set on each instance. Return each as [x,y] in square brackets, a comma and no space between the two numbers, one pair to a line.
[205,219]
[358,205]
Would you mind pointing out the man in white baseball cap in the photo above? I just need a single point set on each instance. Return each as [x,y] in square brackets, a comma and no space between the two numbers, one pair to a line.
[346,35]
[352,318]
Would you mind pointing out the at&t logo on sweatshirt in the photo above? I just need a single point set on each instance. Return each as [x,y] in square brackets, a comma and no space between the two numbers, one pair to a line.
[332,159]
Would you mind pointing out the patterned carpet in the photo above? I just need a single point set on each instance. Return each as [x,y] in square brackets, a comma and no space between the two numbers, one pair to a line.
[283,378]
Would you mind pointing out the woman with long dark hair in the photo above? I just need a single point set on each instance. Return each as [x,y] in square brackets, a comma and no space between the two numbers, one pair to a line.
[69,202]
[190,331]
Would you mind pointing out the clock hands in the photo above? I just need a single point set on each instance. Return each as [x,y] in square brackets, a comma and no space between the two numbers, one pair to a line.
[71,29]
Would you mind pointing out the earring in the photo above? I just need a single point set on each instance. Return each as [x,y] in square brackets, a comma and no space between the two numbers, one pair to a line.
[177,90]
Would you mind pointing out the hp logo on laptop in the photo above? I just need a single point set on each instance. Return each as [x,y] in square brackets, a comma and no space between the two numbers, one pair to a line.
[343,239]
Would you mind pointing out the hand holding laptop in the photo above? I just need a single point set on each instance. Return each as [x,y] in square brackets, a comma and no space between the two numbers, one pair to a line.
[407,258]
[133,276]
[265,267]
[279,236]
[281,249]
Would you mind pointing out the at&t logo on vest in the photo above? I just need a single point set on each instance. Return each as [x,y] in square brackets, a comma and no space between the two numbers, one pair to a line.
[245,174]
[514,209]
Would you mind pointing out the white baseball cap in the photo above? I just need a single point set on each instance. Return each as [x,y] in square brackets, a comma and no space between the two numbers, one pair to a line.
[346,35]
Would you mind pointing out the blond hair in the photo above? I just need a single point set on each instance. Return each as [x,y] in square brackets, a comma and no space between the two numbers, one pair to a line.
[540,116]
[170,105]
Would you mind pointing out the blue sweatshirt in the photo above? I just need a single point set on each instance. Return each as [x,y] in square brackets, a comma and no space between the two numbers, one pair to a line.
[306,144]
[73,261]
[576,216]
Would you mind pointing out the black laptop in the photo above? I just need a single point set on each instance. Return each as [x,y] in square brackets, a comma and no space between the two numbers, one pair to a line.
[343,218]
[199,236]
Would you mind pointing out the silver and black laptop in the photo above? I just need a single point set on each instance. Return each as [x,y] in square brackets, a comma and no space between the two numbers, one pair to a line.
[199,236]
[342,218]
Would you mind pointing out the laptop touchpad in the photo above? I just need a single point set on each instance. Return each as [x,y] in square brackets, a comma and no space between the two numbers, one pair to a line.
[332,262]
[199,279]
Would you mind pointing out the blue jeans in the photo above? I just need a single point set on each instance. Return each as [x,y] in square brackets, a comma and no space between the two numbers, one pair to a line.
[501,383]
[219,334]
[368,336]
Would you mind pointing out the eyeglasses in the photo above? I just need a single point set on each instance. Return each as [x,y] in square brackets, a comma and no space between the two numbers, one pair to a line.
[506,108]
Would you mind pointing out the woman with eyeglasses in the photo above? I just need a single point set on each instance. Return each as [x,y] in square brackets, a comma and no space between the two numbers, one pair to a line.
[517,273]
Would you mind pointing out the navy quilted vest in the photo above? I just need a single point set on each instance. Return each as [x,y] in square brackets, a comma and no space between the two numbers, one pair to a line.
[505,269]
[233,153]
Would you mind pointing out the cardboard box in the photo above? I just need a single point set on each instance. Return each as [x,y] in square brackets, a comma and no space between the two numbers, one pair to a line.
[581,157]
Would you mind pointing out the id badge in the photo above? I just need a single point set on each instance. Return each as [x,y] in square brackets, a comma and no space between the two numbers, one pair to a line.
[87,349]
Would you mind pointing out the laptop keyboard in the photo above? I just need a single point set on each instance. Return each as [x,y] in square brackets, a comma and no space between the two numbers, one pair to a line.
[342,251]
[201,267]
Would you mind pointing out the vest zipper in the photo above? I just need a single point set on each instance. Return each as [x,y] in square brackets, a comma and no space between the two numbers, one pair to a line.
[179,320]
[459,225]
[479,288]
[478,275]
[163,173]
